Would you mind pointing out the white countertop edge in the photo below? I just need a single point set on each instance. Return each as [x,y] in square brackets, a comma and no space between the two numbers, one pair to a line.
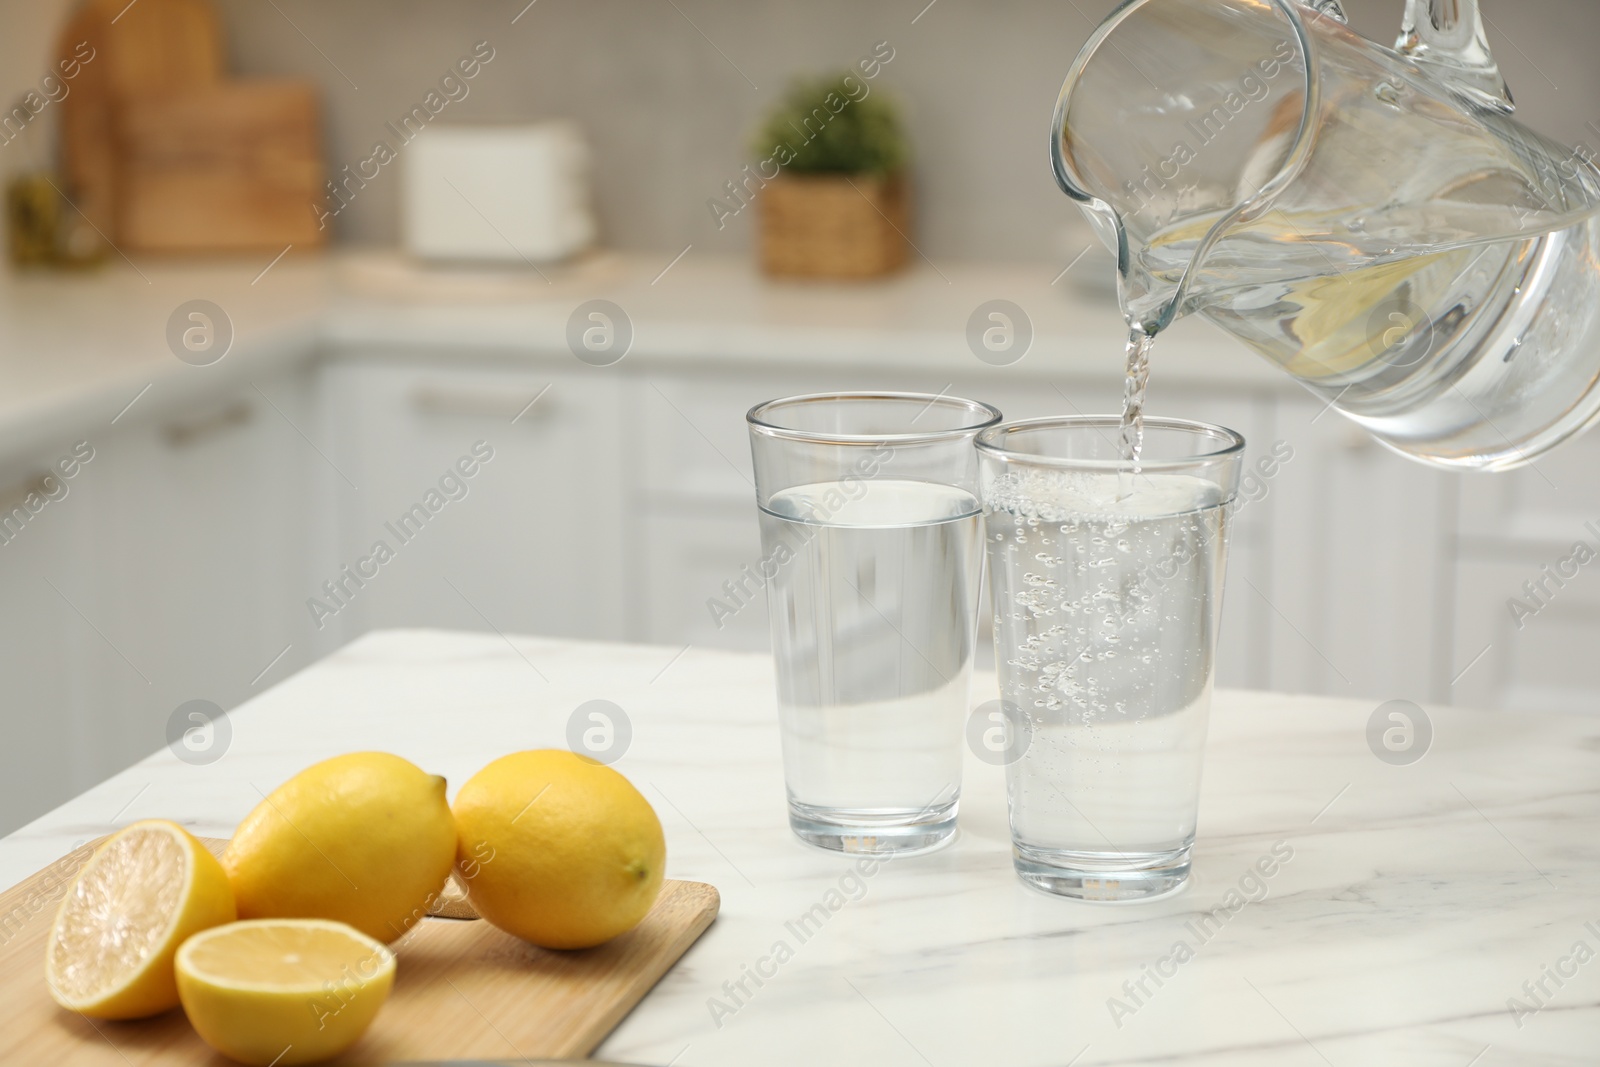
[74,350]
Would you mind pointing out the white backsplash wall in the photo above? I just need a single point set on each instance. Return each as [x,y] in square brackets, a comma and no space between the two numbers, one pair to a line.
[670,118]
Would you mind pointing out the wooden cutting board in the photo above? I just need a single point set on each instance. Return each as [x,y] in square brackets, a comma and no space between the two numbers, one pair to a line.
[235,165]
[163,153]
[463,989]
[152,46]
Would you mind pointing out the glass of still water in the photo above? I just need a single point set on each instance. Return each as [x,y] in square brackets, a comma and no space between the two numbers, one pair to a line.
[871,554]
[1107,574]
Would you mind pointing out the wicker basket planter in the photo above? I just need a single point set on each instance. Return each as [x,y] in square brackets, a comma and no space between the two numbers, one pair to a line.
[833,225]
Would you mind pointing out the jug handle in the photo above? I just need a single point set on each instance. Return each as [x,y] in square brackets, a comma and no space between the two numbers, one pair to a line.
[1447,39]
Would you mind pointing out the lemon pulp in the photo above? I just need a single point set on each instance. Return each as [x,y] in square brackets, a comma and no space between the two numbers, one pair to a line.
[285,956]
[150,886]
[283,991]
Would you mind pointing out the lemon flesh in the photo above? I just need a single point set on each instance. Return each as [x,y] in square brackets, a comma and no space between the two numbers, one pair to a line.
[364,839]
[110,953]
[558,849]
[283,991]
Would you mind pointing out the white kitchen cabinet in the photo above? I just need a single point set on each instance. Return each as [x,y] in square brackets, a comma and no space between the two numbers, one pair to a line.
[199,544]
[1527,608]
[162,576]
[696,446]
[697,493]
[45,644]
[1359,592]
[1547,503]
[1544,661]
[694,556]
[530,541]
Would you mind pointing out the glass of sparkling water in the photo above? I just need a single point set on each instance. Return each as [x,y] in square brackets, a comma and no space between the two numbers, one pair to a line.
[1107,576]
[870,553]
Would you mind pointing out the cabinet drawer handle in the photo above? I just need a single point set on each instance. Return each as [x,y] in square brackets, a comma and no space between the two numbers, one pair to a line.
[185,434]
[479,403]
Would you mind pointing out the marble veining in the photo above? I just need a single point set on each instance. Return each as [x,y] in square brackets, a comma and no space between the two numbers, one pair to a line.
[1343,911]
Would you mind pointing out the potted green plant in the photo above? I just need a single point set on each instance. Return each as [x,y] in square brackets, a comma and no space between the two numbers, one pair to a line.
[836,206]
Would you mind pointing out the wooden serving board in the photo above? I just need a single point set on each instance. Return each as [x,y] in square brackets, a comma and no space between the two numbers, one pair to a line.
[463,989]
[114,48]
[234,166]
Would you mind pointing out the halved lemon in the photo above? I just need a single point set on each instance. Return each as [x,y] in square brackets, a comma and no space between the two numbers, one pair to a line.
[283,991]
[140,895]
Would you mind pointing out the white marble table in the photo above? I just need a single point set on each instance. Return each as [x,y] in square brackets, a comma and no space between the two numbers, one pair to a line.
[1417,902]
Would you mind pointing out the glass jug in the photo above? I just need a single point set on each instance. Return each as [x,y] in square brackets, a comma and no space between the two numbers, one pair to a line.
[1373,220]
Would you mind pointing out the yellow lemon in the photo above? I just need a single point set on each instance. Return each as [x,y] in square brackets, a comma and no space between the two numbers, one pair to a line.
[364,839]
[110,952]
[558,849]
[283,991]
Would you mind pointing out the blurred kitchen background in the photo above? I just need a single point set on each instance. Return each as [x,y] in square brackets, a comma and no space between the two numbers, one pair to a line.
[351,374]
[668,112]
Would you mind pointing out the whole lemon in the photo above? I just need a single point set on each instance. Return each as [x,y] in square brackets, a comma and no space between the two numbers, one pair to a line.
[364,839]
[558,849]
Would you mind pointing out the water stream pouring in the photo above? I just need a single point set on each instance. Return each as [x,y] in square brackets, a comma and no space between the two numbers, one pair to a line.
[1372,220]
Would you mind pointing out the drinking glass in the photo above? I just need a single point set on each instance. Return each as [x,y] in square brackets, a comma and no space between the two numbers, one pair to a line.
[869,534]
[1107,579]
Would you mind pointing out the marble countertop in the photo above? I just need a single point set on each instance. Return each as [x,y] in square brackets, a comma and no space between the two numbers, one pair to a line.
[79,350]
[1343,911]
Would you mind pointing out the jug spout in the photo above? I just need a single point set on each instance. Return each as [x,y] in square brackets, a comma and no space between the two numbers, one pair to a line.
[1446,38]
